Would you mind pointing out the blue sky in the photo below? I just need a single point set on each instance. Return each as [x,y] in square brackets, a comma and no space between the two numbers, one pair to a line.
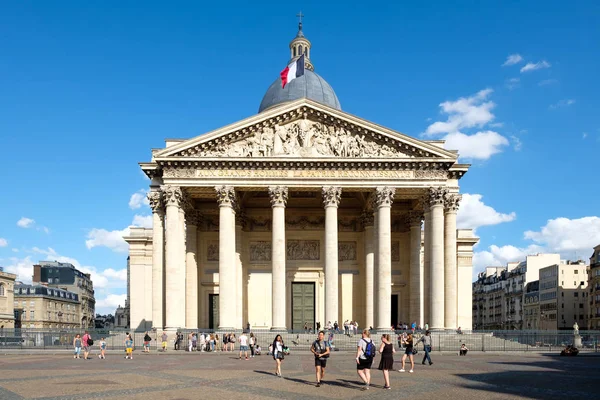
[87,89]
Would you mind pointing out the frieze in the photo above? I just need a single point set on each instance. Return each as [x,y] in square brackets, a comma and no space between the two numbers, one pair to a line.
[212,250]
[346,251]
[260,251]
[258,224]
[431,174]
[305,223]
[349,225]
[298,250]
[214,173]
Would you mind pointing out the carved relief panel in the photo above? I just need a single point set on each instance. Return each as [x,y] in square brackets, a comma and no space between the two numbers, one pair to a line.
[212,250]
[260,251]
[347,251]
[395,251]
[303,250]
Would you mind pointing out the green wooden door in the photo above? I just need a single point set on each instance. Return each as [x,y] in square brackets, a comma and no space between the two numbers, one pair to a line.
[213,311]
[303,305]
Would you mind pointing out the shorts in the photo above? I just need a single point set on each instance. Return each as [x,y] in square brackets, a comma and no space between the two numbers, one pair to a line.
[77,350]
[86,348]
[408,351]
[129,350]
[364,363]
[147,344]
[164,344]
[320,362]
[243,348]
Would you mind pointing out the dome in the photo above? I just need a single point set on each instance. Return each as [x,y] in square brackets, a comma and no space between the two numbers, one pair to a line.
[310,86]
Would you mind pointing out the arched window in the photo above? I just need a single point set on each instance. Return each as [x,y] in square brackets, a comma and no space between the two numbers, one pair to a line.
[294,52]
[2,289]
[300,50]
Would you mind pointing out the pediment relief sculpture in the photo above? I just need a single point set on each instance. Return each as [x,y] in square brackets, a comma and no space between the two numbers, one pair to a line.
[304,138]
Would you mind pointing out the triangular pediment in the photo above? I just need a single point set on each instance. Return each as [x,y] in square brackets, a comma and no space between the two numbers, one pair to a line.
[308,130]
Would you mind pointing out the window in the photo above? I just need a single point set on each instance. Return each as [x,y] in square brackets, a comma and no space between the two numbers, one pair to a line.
[32,304]
[580,305]
[576,272]
[576,294]
[294,52]
[31,315]
[2,289]
[49,280]
[563,305]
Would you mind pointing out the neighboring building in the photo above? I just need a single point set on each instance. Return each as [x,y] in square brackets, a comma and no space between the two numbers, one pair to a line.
[531,306]
[563,296]
[594,285]
[498,293]
[122,316]
[104,321]
[65,276]
[270,221]
[7,315]
[38,306]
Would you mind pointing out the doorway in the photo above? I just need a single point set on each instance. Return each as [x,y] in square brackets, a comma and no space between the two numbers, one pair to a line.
[213,311]
[394,310]
[303,305]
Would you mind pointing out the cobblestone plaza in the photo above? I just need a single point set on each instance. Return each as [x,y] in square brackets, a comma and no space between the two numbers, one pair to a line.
[184,376]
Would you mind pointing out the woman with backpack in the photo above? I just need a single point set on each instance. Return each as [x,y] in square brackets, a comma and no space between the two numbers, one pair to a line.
[387,358]
[364,358]
[408,352]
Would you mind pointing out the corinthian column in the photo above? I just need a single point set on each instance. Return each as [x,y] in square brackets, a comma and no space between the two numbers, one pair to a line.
[240,219]
[174,260]
[331,200]
[368,221]
[426,278]
[192,218]
[227,267]
[158,251]
[436,199]
[415,219]
[384,196]
[279,196]
[451,274]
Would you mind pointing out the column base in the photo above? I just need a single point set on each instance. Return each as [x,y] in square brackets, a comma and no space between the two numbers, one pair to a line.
[278,329]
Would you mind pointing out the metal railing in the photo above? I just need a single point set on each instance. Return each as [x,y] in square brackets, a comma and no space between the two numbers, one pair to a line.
[496,341]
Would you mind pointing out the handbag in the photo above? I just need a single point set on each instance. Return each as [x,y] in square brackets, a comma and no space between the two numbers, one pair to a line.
[415,351]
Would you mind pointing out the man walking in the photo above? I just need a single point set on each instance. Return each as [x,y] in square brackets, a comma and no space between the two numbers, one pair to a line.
[243,345]
[86,339]
[321,349]
[426,347]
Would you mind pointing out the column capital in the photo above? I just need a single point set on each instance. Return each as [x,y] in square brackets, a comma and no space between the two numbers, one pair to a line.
[437,196]
[451,202]
[384,196]
[157,204]
[278,195]
[415,218]
[226,196]
[172,195]
[331,196]
[367,218]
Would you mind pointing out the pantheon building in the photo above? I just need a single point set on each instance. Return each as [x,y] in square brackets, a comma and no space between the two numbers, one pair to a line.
[301,214]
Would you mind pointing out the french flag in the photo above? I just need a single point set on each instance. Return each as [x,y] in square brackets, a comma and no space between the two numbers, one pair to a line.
[292,71]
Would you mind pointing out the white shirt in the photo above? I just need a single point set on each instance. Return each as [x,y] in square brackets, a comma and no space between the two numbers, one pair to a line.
[243,340]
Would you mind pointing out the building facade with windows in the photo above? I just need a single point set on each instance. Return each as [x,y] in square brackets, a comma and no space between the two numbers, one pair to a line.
[302,213]
[531,306]
[7,316]
[594,289]
[563,296]
[38,306]
[65,276]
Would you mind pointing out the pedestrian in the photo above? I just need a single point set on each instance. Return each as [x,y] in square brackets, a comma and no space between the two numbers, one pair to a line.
[77,346]
[463,350]
[102,346]
[426,327]
[364,358]
[408,352]
[278,354]
[232,342]
[177,341]
[164,339]
[321,349]
[147,340]
[194,341]
[202,341]
[413,326]
[85,341]
[387,358]
[190,341]
[243,345]
[129,347]
[252,343]
[426,339]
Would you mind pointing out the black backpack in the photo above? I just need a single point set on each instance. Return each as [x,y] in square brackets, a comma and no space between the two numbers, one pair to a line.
[90,341]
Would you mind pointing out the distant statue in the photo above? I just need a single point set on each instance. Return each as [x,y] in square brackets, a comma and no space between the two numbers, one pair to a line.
[576,329]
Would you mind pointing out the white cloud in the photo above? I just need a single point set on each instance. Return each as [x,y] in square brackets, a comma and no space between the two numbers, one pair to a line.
[108,304]
[535,66]
[512,83]
[512,60]
[3,242]
[466,112]
[138,199]
[25,222]
[145,221]
[474,213]
[120,274]
[568,236]
[517,144]
[499,256]
[497,125]
[15,250]
[547,82]
[481,145]
[22,267]
[562,103]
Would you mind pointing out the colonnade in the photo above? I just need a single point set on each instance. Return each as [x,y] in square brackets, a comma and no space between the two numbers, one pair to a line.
[432,282]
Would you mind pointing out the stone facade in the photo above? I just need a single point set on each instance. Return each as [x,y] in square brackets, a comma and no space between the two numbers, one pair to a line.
[7,315]
[301,193]
[39,306]
[594,285]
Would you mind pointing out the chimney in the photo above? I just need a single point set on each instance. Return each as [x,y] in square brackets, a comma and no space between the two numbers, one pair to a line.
[37,273]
